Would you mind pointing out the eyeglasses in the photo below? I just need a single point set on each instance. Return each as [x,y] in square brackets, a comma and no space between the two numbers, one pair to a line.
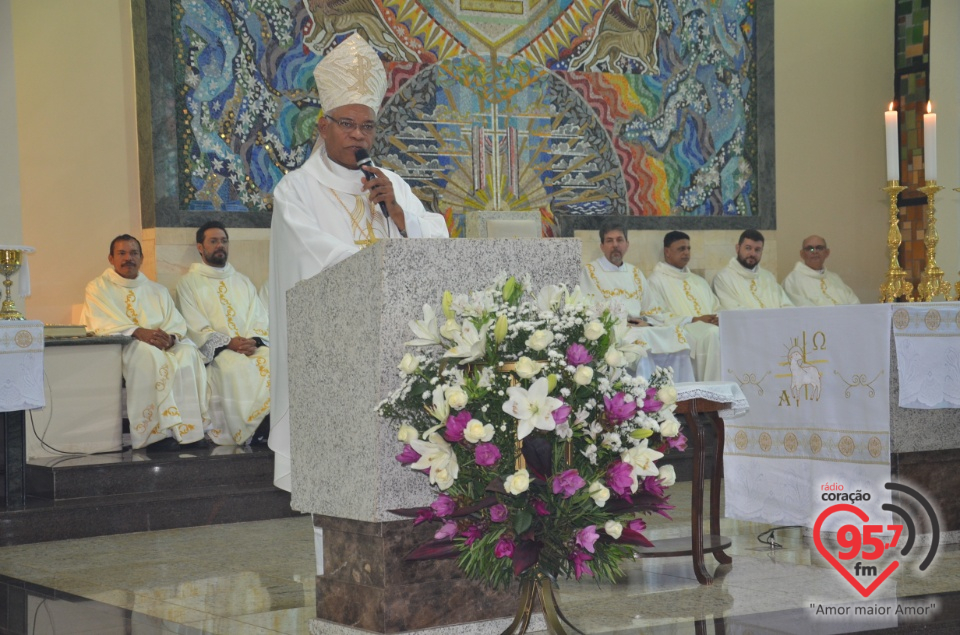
[813,248]
[349,125]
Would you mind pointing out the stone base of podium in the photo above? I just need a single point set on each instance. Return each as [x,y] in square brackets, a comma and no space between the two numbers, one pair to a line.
[367,586]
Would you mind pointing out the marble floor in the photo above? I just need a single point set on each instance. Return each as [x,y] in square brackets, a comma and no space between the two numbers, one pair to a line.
[258,578]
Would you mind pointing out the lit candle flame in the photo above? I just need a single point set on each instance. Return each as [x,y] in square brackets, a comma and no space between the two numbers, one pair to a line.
[890,107]
[928,107]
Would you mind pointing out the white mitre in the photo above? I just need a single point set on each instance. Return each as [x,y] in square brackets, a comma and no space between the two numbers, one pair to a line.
[351,74]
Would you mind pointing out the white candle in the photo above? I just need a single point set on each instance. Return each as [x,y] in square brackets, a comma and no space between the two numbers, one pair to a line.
[893,144]
[930,145]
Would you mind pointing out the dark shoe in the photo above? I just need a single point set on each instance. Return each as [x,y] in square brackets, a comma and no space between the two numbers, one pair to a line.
[262,435]
[202,444]
[164,445]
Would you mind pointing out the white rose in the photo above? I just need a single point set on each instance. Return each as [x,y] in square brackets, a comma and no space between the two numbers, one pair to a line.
[456,398]
[406,434]
[670,427]
[613,529]
[409,364]
[615,358]
[599,493]
[477,431]
[527,368]
[594,331]
[539,340]
[667,394]
[668,476]
[583,375]
[450,329]
[519,482]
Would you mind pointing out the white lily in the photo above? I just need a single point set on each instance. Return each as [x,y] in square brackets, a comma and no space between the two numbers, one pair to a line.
[437,455]
[642,459]
[532,408]
[426,330]
[632,351]
[440,409]
[470,344]
[550,297]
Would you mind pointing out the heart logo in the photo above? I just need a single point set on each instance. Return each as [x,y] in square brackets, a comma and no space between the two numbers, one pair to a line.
[854,582]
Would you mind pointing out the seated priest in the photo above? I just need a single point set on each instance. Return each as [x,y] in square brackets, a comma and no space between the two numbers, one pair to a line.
[227,320]
[610,279]
[164,374]
[743,284]
[686,294]
[329,208]
[810,284]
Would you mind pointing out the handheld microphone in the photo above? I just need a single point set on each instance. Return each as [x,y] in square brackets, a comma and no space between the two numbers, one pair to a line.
[363,159]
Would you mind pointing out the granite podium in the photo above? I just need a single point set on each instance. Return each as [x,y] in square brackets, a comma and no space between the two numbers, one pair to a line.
[347,327]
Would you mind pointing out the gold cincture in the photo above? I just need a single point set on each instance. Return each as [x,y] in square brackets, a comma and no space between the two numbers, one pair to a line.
[10,261]
[895,284]
[932,283]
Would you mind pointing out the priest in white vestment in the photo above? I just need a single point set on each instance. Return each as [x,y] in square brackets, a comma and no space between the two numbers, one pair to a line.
[329,209]
[810,284]
[619,283]
[688,295]
[229,323]
[165,378]
[743,284]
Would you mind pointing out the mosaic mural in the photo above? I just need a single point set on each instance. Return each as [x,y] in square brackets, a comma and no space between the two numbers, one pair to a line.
[634,107]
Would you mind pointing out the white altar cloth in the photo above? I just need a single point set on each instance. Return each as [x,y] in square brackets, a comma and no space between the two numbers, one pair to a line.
[817,379]
[718,391]
[21,365]
[927,337]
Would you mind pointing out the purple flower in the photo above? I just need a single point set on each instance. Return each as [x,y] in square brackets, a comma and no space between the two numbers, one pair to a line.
[449,530]
[577,355]
[678,442]
[423,515]
[561,414]
[498,513]
[587,536]
[504,547]
[408,456]
[456,425]
[540,507]
[637,525]
[580,565]
[443,506]
[471,534]
[618,409]
[620,478]
[651,403]
[486,454]
[652,484]
[567,483]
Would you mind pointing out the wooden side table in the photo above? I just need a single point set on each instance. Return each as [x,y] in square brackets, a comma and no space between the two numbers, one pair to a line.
[698,544]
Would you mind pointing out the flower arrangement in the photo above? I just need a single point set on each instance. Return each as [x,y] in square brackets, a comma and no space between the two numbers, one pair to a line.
[522,413]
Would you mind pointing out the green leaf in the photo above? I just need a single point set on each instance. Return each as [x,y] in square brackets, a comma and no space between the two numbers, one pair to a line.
[522,521]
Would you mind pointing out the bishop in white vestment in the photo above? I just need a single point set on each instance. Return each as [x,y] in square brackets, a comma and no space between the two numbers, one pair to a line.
[227,320]
[687,294]
[165,378]
[810,284]
[743,284]
[329,208]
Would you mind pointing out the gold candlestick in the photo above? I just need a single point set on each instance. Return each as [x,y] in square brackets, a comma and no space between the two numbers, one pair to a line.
[932,283]
[957,286]
[10,260]
[895,285]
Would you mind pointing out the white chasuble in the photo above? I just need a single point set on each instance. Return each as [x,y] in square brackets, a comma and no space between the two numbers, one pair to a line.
[627,287]
[809,287]
[316,224]
[166,390]
[740,288]
[219,304]
[687,294]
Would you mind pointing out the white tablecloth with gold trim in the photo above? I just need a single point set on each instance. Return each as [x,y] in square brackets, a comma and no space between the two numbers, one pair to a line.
[817,379]
[21,365]
[927,337]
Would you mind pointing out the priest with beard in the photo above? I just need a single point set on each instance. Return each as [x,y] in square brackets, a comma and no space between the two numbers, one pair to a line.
[164,374]
[330,208]
[743,284]
[229,323]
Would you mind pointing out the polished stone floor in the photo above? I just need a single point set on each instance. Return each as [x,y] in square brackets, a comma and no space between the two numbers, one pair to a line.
[258,578]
